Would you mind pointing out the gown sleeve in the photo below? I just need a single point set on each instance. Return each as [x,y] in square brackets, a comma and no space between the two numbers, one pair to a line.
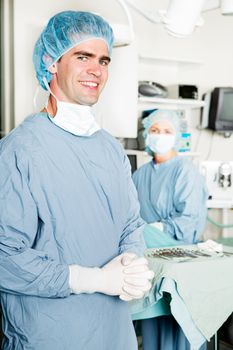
[187,219]
[132,237]
[24,270]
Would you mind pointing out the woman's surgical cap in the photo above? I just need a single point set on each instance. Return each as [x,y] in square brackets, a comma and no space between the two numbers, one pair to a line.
[172,117]
[64,31]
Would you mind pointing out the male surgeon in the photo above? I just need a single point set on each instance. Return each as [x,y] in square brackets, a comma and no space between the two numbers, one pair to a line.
[71,246]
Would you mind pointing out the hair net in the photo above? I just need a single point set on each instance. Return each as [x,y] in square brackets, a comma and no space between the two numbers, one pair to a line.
[159,115]
[64,31]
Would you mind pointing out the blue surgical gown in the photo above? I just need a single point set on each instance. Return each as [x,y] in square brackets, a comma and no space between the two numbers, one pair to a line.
[64,199]
[175,194]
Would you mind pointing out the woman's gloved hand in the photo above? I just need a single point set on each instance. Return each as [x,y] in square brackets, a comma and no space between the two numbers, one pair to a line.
[126,275]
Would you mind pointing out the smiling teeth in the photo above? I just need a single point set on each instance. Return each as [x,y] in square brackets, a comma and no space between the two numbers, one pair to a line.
[88,83]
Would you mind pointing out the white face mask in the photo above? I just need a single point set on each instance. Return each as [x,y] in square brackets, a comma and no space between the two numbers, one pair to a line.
[160,143]
[74,118]
[77,119]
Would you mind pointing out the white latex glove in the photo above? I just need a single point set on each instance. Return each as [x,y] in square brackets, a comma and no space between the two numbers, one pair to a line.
[138,276]
[158,225]
[112,278]
[210,246]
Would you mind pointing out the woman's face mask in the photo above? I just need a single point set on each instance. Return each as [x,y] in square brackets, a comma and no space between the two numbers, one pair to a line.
[160,143]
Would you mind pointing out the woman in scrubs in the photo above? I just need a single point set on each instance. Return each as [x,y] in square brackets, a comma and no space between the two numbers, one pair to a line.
[172,196]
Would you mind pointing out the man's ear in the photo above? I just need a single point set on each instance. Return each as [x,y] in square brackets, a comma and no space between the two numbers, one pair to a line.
[53,69]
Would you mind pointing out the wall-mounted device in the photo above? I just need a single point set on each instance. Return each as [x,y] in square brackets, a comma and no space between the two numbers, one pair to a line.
[218,176]
[221,109]
[182,91]
[151,89]
[225,174]
[218,111]
[205,111]
[185,142]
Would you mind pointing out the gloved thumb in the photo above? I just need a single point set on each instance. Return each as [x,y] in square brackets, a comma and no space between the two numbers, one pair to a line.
[127,258]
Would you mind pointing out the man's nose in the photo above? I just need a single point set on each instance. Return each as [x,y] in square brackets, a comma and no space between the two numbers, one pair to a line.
[95,69]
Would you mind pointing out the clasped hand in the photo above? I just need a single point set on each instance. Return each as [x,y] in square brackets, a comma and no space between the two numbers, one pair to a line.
[127,276]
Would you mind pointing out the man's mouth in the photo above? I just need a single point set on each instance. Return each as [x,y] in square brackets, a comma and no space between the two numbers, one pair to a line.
[89,84]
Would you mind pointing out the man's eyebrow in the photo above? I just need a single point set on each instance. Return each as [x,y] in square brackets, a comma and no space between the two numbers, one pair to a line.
[84,53]
[106,58]
[89,54]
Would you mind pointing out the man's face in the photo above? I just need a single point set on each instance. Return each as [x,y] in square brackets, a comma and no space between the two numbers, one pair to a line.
[81,73]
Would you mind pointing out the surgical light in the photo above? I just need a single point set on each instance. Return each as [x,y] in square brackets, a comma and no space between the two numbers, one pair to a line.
[182,16]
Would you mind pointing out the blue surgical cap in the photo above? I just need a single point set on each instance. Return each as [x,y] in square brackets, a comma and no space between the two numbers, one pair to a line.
[64,31]
[158,115]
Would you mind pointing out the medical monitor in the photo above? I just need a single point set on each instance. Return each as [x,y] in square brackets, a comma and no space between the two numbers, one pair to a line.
[221,109]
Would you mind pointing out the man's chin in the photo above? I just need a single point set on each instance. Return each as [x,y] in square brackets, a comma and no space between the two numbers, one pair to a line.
[89,101]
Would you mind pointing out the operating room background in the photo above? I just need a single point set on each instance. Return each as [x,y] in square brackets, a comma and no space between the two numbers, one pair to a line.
[204,58]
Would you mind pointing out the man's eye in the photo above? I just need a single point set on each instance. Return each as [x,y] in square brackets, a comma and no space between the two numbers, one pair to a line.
[82,58]
[104,62]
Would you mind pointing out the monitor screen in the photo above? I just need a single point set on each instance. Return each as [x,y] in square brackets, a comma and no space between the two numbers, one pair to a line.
[221,109]
[226,112]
